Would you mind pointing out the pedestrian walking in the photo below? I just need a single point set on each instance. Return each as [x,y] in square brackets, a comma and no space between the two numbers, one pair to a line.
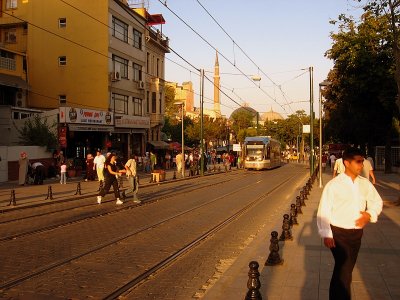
[23,164]
[153,161]
[63,172]
[90,172]
[338,168]
[179,162]
[98,162]
[332,159]
[131,167]
[111,174]
[368,170]
[348,203]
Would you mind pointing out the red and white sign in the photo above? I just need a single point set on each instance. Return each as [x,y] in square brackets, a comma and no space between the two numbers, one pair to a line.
[85,116]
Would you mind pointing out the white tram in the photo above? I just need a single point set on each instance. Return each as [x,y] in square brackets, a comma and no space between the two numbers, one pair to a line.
[261,152]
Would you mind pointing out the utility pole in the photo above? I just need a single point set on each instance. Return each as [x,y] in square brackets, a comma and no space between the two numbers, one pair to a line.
[201,122]
[311,69]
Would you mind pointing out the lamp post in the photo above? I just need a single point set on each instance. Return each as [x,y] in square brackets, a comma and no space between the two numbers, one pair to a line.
[322,84]
[311,70]
[182,104]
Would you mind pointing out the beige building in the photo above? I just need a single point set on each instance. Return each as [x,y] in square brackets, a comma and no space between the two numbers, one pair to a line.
[100,67]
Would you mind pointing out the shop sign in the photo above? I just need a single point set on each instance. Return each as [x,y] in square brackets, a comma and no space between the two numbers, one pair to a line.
[62,137]
[85,116]
[132,121]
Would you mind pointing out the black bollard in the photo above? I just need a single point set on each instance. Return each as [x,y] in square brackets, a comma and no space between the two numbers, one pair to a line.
[302,203]
[49,193]
[174,175]
[286,232]
[253,284]
[293,215]
[78,189]
[219,168]
[100,185]
[214,168]
[13,202]
[298,205]
[274,258]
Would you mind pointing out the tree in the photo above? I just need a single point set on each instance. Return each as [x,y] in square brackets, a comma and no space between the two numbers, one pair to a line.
[360,102]
[171,109]
[36,132]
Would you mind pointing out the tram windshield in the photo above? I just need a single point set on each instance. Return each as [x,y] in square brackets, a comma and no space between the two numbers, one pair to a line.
[255,151]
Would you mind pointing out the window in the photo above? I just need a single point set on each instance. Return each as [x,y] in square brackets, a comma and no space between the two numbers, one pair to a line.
[153,102]
[62,60]
[10,36]
[137,39]
[160,101]
[120,30]
[158,68]
[62,22]
[62,99]
[148,63]
[137,107]
[120,65]
[120,104]
[11,4]
[148,102]
[137,72]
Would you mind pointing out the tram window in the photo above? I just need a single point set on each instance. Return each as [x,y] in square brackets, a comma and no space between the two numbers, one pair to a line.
[268,152]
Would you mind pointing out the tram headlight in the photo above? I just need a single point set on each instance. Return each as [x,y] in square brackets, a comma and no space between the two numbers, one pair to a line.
[259,159]
[247,159]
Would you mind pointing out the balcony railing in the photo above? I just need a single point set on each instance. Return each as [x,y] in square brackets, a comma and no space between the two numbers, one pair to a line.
[7,63]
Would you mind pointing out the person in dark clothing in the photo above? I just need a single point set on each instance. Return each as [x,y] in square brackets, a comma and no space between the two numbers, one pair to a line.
[39,171]
[90,174]
[111,173]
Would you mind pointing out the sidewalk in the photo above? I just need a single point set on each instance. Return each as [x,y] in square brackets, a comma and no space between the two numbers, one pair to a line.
[33,195]
[308,265]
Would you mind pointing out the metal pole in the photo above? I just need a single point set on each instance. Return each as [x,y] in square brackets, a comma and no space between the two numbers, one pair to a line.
[320,138]
[311,69]
[201,122]
[183,142]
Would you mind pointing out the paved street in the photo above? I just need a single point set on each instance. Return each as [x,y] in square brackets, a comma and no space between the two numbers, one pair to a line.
[77,249]
[101,250]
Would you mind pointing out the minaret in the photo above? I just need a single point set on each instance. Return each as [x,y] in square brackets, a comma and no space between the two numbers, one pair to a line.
[217,107]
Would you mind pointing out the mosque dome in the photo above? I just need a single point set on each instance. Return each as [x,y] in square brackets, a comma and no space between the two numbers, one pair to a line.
[244,108]
[271,116]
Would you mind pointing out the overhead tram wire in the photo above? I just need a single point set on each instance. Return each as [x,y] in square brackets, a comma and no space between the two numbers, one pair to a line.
[222,55]
[279,87]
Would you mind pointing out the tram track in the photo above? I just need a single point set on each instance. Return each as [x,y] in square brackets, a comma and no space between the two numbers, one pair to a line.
[146,200]
[17,281]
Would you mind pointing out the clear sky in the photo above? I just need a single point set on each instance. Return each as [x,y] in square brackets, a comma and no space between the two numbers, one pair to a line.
[282,37]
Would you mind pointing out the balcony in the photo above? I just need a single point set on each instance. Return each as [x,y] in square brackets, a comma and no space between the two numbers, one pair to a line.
[156,119]
[7,64]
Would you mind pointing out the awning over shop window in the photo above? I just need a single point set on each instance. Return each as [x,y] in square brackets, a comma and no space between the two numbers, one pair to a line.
[159,144]
[99,128]
[13,81]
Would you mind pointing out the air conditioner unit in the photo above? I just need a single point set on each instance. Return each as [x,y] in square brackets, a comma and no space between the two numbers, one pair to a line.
[115,76]
[141,85]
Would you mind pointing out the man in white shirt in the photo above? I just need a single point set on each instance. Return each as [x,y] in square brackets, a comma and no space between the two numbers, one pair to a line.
[99,161]
[339,167]
[368,171]
[130,168]
[348,203]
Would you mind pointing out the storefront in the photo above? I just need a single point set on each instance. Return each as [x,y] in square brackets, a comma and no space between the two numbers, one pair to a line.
[82,131]
[132,129]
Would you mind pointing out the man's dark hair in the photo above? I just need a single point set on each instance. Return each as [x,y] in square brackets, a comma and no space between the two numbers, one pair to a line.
[351,152]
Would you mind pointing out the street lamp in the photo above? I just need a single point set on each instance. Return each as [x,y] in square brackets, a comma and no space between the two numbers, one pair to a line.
[182,104]
[322,84]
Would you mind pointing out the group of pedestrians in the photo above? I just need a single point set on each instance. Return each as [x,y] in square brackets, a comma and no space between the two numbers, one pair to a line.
[27,171]
[108,171]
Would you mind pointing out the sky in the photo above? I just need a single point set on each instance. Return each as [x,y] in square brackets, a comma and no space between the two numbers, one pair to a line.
[283,38]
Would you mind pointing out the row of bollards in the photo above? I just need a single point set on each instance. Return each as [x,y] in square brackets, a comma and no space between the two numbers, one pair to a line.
[274,258]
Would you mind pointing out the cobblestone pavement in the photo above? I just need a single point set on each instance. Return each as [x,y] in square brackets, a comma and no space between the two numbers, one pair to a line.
[96,274]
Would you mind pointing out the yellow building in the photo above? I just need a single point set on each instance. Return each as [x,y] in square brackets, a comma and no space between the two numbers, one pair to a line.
[87,61]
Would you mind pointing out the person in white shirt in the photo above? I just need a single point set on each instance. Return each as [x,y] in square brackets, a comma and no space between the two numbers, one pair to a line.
[130,168]
[332,160]
[368,171]
[339,167]
[348,203]
[99,161]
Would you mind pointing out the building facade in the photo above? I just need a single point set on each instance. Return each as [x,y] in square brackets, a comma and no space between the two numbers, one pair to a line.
[91,64]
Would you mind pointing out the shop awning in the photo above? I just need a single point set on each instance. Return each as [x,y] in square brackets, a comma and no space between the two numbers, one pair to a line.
[99,128]
[13,81]
[159,144]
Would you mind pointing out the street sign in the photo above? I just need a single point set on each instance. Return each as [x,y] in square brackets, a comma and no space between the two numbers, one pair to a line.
[306,129]
[236,147]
